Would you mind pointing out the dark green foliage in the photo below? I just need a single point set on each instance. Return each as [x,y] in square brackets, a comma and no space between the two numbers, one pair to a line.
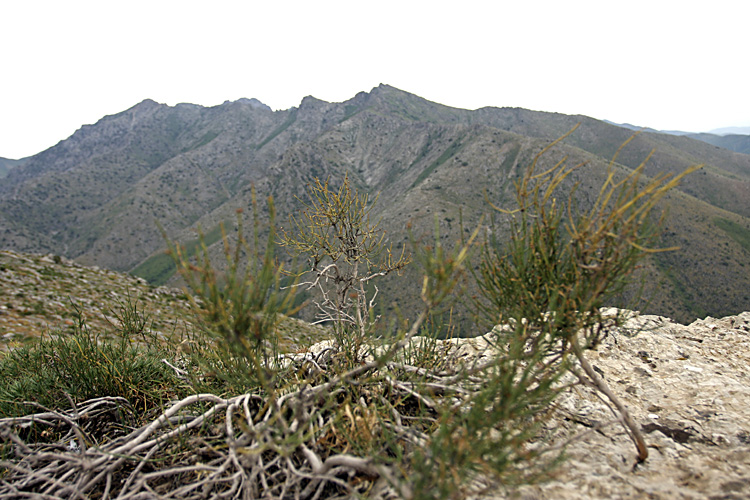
[81,366]
[488,436]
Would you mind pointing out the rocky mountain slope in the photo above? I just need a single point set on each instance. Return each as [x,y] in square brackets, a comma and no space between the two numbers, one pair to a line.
[96,196]
[739,143]
[45,295]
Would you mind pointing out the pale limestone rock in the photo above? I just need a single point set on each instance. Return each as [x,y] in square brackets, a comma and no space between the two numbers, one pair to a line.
[688,387]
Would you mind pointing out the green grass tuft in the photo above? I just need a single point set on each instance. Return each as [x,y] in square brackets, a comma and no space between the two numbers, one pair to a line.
[80,366]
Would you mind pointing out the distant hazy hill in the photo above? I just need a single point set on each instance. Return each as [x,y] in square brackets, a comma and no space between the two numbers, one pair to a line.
[96,196]
[636,128]
[733,138]
[731,131]
[733,142]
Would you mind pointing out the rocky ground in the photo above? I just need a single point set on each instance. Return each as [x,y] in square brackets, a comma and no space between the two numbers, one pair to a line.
[41,294]
[688,388]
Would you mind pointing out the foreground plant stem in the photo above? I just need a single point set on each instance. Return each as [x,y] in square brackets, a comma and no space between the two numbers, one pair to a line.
[626,419]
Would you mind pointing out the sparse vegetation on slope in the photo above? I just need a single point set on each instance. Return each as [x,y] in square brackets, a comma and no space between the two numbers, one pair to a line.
[738,232]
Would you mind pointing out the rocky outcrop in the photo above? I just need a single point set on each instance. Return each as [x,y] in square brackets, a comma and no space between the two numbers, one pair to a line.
[43,294]
[688,388]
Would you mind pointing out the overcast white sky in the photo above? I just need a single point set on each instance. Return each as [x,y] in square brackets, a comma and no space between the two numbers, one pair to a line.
[664,64]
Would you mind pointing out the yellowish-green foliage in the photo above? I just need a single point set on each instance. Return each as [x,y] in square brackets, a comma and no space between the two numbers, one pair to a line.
[345,253]
[561,267]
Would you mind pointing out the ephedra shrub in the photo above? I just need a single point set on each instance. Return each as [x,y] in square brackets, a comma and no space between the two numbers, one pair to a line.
[552,280]
[545,288]
[239,304]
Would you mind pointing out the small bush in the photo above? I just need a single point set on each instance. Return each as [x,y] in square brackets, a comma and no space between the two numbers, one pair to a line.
[241,307]
[347,253]
[65,370]
[554,278]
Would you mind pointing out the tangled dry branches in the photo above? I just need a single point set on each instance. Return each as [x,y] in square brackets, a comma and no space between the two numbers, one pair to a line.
[310,442]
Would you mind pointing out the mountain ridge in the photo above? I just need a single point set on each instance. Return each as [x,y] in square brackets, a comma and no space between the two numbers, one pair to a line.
[95,196]
[730,131]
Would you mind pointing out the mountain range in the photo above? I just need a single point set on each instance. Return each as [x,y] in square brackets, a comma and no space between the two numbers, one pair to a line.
[97,196]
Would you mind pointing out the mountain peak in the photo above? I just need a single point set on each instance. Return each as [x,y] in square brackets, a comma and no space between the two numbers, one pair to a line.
[385,89]
[146,104]
[254,103]
[311,102]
